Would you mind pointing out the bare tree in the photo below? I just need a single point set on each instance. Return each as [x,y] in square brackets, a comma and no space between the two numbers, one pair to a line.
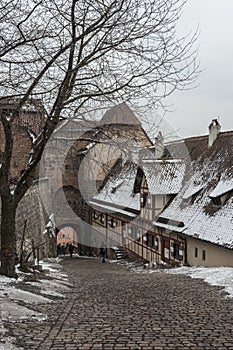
[77,55]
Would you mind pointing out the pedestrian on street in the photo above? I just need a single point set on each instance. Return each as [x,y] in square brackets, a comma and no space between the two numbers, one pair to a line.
[64,249]
[58,249]
[71,249]
[102,254]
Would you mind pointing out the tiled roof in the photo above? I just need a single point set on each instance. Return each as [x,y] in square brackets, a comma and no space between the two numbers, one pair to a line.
[211,173]
[164,176]
[120,114]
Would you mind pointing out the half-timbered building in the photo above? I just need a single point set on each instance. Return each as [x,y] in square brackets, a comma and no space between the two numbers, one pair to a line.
[185,211]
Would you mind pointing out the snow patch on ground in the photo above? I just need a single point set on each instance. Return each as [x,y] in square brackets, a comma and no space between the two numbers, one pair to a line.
[216,276]
[11,297]
[12,312]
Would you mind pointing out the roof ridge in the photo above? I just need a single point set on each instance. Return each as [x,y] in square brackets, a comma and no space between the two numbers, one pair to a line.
[222,133]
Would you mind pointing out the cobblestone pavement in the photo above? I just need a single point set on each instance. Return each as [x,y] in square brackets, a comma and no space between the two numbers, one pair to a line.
[111,307]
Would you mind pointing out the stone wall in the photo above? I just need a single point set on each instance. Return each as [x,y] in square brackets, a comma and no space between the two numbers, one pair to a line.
[31,222]
[31,219]
[21,149]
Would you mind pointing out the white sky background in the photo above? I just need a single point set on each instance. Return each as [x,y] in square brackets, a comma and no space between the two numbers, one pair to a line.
[193,110]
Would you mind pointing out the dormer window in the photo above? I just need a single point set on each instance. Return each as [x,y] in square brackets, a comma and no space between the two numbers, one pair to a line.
[217,201]
[190,194]
[221,192]
[186,201]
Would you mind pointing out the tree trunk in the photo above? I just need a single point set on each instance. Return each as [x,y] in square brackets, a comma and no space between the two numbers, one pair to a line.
[8,238]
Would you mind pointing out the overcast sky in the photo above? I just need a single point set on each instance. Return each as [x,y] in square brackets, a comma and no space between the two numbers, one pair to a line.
[213,98]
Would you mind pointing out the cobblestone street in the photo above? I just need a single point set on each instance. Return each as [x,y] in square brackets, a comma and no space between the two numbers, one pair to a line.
[111,307]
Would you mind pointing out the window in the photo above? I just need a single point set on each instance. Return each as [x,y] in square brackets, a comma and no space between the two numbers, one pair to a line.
[134,233]
[112,222]
[149,201]
[190,194]
[203,254]
[156,243]
[195,252]
[151,241]
[176,251]
[144,199]
[102,218]
[222,192]
[129,230]
[138,235]
[123,229]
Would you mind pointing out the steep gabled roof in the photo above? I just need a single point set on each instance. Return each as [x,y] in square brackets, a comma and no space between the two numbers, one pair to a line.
[120,114]
[210,173]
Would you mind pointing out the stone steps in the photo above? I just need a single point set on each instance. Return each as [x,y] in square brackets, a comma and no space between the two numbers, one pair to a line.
[120,253]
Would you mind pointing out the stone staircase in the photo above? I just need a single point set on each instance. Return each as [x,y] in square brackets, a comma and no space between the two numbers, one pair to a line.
[119,253]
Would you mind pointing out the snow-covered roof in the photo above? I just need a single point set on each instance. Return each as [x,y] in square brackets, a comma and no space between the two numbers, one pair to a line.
[111,209]
[191,190]
[212,177]
[169,227]
[216,228]
[164,176]
[118,190]
[222,187]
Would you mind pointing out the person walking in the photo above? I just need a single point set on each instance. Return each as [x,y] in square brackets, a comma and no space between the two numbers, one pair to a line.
[102,254]
[59,249]
[71,249]
[63,249]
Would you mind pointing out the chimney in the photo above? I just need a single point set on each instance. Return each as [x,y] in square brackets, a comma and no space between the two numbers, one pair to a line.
[214,130]
[159,145]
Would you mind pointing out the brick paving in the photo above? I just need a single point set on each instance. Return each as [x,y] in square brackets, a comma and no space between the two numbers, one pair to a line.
[111,307]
